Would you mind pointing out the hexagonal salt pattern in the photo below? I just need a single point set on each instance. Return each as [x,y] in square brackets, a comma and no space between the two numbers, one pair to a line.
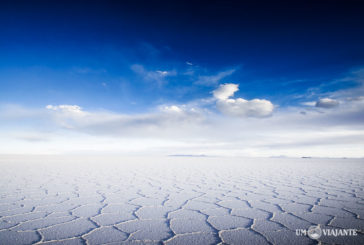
[170,200]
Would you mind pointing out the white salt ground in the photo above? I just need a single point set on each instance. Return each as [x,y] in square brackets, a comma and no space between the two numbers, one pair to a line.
[177,200]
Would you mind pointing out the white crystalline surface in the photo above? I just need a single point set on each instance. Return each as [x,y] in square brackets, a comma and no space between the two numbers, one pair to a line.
[177,200]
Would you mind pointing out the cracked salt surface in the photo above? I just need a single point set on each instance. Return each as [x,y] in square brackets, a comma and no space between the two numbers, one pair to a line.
[104,200]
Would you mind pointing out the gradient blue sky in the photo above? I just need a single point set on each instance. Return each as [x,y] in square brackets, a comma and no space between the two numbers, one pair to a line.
[143,59]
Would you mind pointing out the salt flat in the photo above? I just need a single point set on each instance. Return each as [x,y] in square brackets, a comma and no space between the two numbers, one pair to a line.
[178,200]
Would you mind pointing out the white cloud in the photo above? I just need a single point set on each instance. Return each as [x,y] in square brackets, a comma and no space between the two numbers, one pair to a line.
[162,122]
[173,109]
[163,73]
[65,108]
[214,79]
[67,116]
[158,76]
[309,103]
[358,98]
[240,107]
[327,103]
[192,128]
[226,90]
[17,112]
[187,129]
[245,108]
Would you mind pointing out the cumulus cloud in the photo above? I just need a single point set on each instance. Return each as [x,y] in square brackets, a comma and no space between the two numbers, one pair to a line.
[327,103]
[240,107]
[245,108]
[226,90]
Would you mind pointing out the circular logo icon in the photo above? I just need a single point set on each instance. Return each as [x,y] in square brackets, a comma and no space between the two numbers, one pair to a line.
[314,232]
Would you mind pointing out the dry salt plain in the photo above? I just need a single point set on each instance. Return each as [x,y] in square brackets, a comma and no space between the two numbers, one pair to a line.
[178,200]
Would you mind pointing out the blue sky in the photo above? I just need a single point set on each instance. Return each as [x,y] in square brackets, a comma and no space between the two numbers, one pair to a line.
[148,60]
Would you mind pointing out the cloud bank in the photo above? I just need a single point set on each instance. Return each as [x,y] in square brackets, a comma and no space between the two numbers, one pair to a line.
[329,127]
[184,129]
